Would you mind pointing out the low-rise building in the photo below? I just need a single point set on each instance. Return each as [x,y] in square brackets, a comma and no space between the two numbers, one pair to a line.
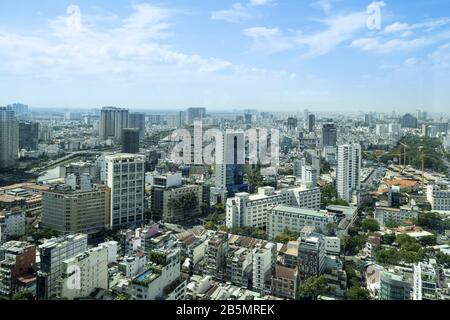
[285,282]
[397,215]
[12,224]
[245,210]
[281,218]
[438,195]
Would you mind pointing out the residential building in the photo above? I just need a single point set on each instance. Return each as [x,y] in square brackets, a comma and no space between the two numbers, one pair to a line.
[239,267]
[348,175]
[311,255]
[137,121]
[285,282]
[161,281]
[195,114]
[12,224]
[216,256]
[329,135]
[438,195]
[9,138]
[112,121]
[17,259]
[425,281]
[263,264]
[84,273]
[28,135]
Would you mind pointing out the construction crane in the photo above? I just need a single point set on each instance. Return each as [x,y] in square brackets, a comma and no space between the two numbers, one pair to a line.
[422,160]
[405,146]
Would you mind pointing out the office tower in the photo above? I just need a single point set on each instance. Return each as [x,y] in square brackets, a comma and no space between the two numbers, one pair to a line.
[394,197]
[311,255]
[130,140]
[137,121]
[71,211]
[52,255]
[408,121]
[311,122]
[298,167]
[9,138]
[292,123]
[125,178]
[230,161]
[348,170]
[194,114]
[180,118]
[28,135]
[329,135]
[19,109]
[248,118]
[112,121]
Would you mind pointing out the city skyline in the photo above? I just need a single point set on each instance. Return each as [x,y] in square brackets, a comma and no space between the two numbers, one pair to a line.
[260,54]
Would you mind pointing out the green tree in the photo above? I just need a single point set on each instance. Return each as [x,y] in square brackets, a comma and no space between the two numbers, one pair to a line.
[370,225]
[23,295]
[210,225]
[314,287]
[388,238]
[358,293]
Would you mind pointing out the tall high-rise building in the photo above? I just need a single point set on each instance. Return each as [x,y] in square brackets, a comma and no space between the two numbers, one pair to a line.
[329,135]
[112,121]
[130,140]
[9,138]
[230,162]
[348,170]
[19,109]
[194,114]
[180,118]
[409,121]
[137,121]
[125,178]
[28,135]
[52,255]
[311,122]
[292,123]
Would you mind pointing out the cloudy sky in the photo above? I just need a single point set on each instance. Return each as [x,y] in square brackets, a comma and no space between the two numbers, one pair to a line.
[267,54]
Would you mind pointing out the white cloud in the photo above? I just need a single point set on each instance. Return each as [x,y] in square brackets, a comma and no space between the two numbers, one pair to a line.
[325,5]
[338,29]
[268,40]
[237,13]
[441,56]
[76,47]
[410,62]
[261,32]
[257,3]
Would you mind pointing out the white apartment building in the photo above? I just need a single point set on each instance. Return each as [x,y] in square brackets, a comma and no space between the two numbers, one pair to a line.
[386,214]
[84,273]
[52,254]
[154,282]
[125,178]
[281,218]
[262,266]
[245,210]
[131,266]
[332,246]
[112,247]
[348,173]
[438,195]
[425,281]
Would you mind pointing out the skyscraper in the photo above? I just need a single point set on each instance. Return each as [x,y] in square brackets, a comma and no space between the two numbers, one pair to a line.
[28,135]
[125,178]
[130,140]
[112,121]
[311,123]
[348,170]
[230,161]
[329,135]
[194,114]
[137,121]
[9,138]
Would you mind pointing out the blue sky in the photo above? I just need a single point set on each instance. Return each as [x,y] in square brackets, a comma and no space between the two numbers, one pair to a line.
[286,55]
